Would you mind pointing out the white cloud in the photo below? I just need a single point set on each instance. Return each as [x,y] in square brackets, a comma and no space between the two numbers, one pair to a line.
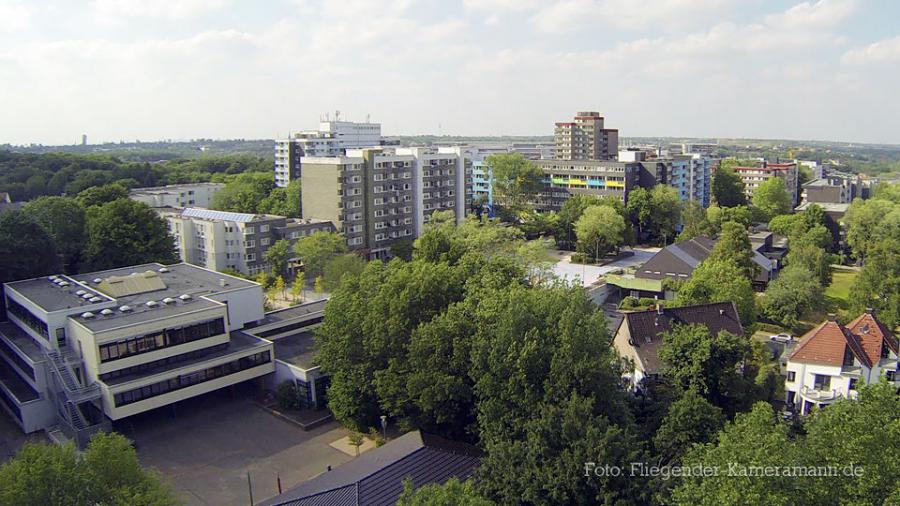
[883,51]
[500,5]
[112,10]
[821,14]
[14,15]
[562,16]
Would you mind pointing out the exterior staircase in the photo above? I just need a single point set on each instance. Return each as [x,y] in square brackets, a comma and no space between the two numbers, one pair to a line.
[74,401]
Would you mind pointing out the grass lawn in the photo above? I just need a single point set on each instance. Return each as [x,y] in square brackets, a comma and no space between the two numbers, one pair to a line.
[841,280]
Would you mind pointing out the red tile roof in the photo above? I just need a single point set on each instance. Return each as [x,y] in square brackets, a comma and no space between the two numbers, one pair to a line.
[827,343]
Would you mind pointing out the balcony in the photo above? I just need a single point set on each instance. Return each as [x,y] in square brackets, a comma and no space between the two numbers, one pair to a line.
[812,394]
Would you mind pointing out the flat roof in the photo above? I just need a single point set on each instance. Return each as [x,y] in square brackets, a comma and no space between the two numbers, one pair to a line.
[297,349]
[53,297]
[290,313]
[238,342]
[22,341]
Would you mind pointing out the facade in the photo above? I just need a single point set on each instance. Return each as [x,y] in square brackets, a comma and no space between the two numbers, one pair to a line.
[585,138]
[755,176]
[378,196]
[177,195]
[564,178]
[835,188]
[377,476]
[220,240]
[832,360]
[82,351]
[333,138]
[482,184]
[640,334]
[691,175]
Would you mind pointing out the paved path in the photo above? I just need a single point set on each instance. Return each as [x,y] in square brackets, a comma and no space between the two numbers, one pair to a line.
[588,274]
[208,449]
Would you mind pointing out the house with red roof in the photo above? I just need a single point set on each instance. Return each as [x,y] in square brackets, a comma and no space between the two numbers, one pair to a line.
[833,360]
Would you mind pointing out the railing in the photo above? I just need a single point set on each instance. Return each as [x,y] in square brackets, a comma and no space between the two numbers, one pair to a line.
[66,379]
[820,395]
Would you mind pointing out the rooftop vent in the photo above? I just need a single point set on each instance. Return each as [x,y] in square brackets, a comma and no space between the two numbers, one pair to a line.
[86,295]
[87,314]
[151,303]
[53,278]
[185,296]
[222,282]
[94,299]
[98,280]
[106,312]
[168,300]
[164,269]
[648,339]
[80,292]
[63,283]
[124,309]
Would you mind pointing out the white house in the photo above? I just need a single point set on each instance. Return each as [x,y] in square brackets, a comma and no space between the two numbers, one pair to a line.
[831,361]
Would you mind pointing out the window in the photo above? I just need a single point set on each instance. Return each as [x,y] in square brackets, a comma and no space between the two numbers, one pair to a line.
[251,257]
[890,375]
[264,228]
[250,244]
[379,201]
[264,241]
[249,230]
[160,339]
[822,382]
[852,384]
[791,376]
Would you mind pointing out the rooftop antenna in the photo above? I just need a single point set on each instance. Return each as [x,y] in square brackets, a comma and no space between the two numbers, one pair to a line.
[337,115]
[367,117]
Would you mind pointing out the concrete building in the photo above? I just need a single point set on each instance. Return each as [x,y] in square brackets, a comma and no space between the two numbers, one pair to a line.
[220,240]
[378,196]
[691,175]
[177,195]
[564,178]
[585,138]
[832,360]
[81,351]
[755,176]
[482,184]
[333,138]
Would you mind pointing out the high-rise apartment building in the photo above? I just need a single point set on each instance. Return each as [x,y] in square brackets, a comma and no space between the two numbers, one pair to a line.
[691,175]
[755,176]
[80,351]
[220,240]
[585,138]
[377,196]
[177,195]
[333,138]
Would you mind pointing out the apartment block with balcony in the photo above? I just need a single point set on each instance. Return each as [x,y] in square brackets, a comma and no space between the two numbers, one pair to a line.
[82,351]
[691,175]
[221,240]
[564,178]
[831,361]
[333,138]
[377,196]
[585,138]
[755,176]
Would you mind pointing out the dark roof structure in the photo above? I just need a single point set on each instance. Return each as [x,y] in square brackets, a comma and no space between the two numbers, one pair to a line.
[647,327]
[678,260]
[376,477]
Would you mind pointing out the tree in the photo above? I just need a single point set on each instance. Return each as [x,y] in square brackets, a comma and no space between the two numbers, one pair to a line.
[277,256]
[318,286]
[279,285]
[599,230]
[536,260]
[125,232]
[106,473]
[666,215]
[64,220]
[340,266]
[727,187]
[402,249]
[690,420]
[795,293]
[451,493]
[243,193]
[297,286]
[878,284]
[283,201]
[316,249]
[515,181]
[715,281]
[733,246]
[640,208]
[697,360]
[26,248]
[695,222]
[812,258]
[356,439]
[772,198]
[862,220]
[99,195]
[719,215]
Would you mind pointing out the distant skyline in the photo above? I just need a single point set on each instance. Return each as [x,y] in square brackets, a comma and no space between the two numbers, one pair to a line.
[140,69]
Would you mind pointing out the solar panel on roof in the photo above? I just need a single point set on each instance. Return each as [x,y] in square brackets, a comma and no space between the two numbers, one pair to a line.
[210,214]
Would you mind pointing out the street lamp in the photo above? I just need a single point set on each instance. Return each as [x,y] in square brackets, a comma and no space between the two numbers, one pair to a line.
[384,427]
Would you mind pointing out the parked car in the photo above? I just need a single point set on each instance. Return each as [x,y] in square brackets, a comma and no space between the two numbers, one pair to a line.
[782,338]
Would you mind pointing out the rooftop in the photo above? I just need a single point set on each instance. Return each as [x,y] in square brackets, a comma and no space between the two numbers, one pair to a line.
[828,343]
[22,341]
[174,188]
[828,207]
[297,349]
[376,477]
[60,292]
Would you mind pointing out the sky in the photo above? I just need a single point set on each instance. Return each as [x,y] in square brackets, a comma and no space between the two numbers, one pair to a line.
[184,69]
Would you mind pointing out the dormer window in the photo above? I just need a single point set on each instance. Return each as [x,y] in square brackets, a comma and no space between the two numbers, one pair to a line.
[848,357]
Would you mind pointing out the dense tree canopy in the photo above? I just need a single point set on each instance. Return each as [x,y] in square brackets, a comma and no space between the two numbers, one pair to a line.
[26,249]
[655,212]
[125,232]
[64,220]
[718,282]
[863,221]
[515,181]
[600,230]
[772,198]
[107,473]
[451,493]
[99,195]
[878,284]
[733,246]
[727,187]
[316,249]
[244,193]
[795,293]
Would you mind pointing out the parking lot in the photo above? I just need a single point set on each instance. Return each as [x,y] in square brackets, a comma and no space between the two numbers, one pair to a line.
[208,445]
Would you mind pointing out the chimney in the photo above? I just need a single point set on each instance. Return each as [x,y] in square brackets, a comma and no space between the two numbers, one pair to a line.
[222,282]
[721,312]
[659,309]
[870,310]
[832,317]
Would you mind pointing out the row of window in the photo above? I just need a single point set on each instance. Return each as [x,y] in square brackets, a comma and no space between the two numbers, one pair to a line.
[147,366]
[194,378]
[28,318]
[160,339]
[16,359]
